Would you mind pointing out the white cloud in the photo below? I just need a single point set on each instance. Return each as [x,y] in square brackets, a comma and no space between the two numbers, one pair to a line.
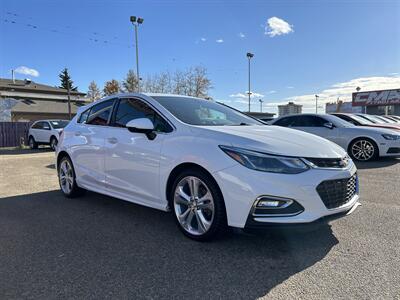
[246,95]
[276,26]
[290,87]
[343,91]
[220,41]
[203,39]
[241,35]
[272,92]
[27,71]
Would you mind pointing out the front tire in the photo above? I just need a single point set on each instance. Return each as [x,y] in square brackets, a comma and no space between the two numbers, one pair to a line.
[53,143]
[198,206]
[363,149]
[67,179]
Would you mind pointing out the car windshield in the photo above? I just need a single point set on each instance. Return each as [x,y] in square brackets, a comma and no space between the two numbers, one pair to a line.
[204,112]
[362,121]
[59,124]
[373,119]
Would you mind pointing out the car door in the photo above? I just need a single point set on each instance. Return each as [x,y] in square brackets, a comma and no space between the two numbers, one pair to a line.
[35,130]
[45,133]
[316,125]
[89,138]
[132,160]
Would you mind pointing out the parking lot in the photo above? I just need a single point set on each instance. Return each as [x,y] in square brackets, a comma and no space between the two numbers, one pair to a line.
[100,247]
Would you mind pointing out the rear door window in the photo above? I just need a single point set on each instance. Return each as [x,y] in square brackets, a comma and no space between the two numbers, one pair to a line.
[100,113]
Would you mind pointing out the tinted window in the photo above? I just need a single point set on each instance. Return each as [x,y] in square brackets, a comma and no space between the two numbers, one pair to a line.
[204,112]
[83,117]
[45,125]
[130,109]
[37,125]
[285,122]
[100,113]
[308,121]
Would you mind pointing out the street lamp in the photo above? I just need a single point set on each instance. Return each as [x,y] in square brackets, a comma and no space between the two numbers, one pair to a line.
[249,56]
[261,102]
[136,21]
[316,103]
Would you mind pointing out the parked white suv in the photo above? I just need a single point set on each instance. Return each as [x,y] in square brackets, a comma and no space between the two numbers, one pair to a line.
[45,132]
[210,164]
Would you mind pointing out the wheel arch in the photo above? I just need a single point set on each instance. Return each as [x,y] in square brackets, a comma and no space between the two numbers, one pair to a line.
[184,166]
[60,156]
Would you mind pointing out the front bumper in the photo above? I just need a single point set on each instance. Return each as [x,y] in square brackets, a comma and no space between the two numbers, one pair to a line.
[242,186]
[389,148]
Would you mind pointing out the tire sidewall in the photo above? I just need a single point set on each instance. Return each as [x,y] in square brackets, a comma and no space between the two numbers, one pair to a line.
[219,220]
[53,147]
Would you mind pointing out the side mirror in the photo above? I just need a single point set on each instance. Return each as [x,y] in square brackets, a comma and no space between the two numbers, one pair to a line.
[142,125]
[329,125]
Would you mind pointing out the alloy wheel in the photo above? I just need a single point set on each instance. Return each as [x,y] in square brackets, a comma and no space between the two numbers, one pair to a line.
[194,205]
[363,150]
[66,176]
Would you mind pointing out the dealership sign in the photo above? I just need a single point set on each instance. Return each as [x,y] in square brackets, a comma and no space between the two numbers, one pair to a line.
[385,97]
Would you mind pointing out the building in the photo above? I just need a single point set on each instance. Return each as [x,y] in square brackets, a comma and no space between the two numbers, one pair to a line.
[25,100]
[289,109]
[383,102]
[343,107]
[263,116]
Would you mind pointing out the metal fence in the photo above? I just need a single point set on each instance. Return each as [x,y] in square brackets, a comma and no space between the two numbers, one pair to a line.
[14,134]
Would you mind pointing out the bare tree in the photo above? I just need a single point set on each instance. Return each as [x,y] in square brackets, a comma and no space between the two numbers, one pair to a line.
[130,83]
[200,83]
[111,87]
[93,91]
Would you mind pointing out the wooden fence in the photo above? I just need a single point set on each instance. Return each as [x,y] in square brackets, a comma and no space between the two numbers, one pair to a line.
[13,134]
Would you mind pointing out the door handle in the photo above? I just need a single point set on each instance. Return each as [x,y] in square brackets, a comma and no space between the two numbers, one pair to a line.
[112,140]
[78,133]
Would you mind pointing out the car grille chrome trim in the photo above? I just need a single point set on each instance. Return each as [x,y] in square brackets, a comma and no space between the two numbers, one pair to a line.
[329,163]
[338,192]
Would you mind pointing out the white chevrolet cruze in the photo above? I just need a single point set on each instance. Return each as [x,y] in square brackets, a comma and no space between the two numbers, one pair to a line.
[210,164]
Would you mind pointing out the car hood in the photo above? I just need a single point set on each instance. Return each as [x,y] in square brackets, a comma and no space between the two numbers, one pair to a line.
[275,140]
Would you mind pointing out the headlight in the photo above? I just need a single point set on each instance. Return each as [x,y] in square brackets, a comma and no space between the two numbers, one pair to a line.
[266,162]
[391,137]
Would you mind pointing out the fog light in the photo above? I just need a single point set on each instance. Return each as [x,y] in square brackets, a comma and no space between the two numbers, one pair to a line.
[269,203]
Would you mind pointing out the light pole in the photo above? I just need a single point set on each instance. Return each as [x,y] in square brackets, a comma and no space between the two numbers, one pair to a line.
[136,21]
[261,102]
[249,56]
[316,103]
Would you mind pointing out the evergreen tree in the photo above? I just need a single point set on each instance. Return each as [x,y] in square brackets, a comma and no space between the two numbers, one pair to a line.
[66,81]
[93,91]
[130,84]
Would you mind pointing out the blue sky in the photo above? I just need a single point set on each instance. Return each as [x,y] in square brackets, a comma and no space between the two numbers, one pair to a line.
[329,49]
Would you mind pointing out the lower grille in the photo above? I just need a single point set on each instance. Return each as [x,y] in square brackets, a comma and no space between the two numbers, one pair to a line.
[335,193]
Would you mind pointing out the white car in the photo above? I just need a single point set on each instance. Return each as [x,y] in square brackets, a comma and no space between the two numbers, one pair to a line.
[45,132]
[362,143]
[210,164]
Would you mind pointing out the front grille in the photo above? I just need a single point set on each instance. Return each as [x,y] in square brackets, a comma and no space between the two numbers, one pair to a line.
[330,162]
[335,193]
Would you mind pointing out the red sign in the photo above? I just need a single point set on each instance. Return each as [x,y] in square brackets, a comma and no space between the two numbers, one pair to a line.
[385,97]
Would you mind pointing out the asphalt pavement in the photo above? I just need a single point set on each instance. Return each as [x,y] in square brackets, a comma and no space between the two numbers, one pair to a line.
[97,247]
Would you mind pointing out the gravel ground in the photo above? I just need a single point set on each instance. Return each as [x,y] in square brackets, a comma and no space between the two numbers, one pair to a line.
[100,247]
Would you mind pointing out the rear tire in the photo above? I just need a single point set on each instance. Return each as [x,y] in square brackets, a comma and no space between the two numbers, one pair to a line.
[198,205]
[363,149]
[67,179]
[32,143]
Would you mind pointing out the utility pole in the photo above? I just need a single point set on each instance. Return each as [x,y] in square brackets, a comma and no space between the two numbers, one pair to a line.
[136,21]
[261,103]
[249,56]
[316,103]
[69,101]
